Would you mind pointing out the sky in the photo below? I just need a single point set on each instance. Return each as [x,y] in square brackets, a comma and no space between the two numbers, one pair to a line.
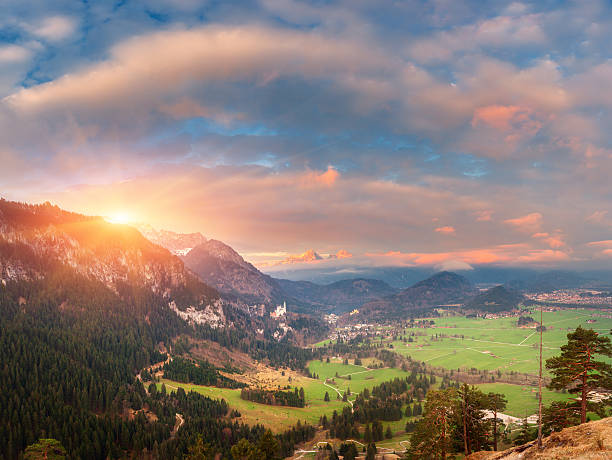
[442,133]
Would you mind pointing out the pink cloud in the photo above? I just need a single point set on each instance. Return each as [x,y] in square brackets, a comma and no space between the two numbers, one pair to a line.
[555,241]
[447,230]
[501,254]
[603,243]
[527,223]
[597,216]
[484,216]
[327,178]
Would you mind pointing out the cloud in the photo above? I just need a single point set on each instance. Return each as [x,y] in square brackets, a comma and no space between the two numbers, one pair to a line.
[14,53]
[504,254]
[446,230]
[597,216]
[497,32]
[484,216]
[527,223]
[453,266]
[147,67]
[53,28]
[314,178]
[343,254]
[555,241]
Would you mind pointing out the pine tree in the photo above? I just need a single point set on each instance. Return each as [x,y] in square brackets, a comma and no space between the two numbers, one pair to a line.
[496,403]
[578,371]
[433,434]
[268,445]
[367,435]
[472,427]
[371,452]
[326,398]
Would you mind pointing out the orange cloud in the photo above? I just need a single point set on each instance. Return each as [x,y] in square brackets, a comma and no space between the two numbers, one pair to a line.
[544,256]
[343,254]
[527,223]
[504,253]
[327,178]
[447,230]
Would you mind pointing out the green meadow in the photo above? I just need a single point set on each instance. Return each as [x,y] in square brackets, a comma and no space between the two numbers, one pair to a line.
[279,418]
[495,344]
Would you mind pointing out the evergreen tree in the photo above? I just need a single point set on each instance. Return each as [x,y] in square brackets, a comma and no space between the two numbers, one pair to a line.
[578,370]
[326,398]
[367,435]
[471,426]
[559,415]
[433,434]
[496,403]
[371,452]
[268,445]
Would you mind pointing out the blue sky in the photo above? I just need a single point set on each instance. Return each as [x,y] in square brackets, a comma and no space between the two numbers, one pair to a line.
[446,133]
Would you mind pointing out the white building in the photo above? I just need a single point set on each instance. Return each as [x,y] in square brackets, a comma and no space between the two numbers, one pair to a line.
[280,311]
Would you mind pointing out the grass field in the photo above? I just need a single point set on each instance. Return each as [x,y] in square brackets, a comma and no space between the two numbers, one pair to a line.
[492,344]
[279,418]
[523,400]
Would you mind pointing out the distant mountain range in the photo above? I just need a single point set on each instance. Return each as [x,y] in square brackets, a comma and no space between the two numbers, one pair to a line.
[343,295]
[440,289]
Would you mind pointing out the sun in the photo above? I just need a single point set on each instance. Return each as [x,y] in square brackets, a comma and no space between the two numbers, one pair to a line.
[119,218]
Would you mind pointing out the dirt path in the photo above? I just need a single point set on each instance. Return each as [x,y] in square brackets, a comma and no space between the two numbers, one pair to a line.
[179,423]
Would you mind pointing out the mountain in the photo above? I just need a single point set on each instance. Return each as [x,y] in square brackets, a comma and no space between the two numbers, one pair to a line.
[38,240]
[496,299]
[219,265]
[343,295]
[177,243]
[549,281]
[439,289]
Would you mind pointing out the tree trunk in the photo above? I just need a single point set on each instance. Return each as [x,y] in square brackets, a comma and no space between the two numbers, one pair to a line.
[465,438]
[583,402]
[495,429]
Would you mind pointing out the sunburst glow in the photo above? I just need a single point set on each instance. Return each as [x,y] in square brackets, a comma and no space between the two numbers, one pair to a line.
[121,218]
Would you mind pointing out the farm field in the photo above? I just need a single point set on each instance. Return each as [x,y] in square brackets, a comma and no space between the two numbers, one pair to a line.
[495,344]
